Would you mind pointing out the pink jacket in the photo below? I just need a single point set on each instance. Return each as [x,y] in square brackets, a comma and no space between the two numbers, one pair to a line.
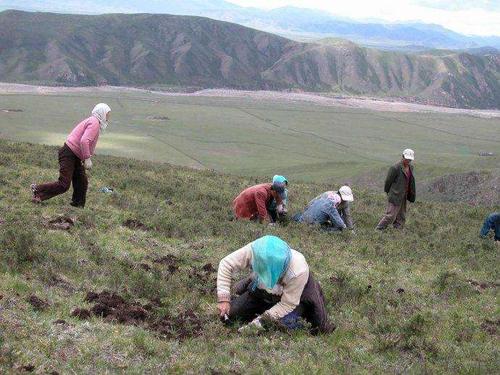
[83,138]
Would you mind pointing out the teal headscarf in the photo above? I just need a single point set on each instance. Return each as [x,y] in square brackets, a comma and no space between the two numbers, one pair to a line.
[271,257]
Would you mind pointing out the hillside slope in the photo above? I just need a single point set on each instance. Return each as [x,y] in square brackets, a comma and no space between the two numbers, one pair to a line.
[146,49]
[419,300]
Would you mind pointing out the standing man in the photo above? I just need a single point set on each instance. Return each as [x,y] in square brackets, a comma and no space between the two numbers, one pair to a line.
[400,187]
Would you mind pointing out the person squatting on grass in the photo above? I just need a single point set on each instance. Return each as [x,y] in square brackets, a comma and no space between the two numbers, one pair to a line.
[399,187]
[253,202]
[279,211]
[331,210]
[492,222]
[75,158]
[280,288]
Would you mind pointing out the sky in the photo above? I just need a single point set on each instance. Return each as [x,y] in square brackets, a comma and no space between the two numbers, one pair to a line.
[471,17]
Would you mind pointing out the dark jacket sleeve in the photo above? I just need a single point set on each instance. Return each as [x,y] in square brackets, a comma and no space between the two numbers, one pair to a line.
[391,177]
[412,194]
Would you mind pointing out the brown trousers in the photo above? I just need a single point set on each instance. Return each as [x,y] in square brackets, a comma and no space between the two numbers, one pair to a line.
[395,215]
[71,170]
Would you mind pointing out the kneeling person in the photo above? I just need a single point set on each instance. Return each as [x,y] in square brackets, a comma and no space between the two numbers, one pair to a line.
[492,222]
[331,210]
[280,287]
[253,202]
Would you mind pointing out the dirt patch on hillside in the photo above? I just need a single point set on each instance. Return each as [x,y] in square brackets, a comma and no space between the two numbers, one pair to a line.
[116,309]
[10,110]
[473,187]
[482,285]
[205,278]
[37,303]
[183,326]
[135,224]
[170,261]
[491,326]
[158,118]
[60,222]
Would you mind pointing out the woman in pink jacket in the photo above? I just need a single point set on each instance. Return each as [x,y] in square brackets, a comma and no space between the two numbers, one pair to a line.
[75,158]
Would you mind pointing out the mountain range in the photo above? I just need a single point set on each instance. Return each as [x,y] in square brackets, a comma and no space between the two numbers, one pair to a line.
[146,49]
[293,22]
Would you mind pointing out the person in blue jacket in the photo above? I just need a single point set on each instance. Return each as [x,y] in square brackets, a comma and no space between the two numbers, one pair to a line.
[331,210]
[492,222]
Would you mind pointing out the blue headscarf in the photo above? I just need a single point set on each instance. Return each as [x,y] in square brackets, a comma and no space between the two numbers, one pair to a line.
[271,257]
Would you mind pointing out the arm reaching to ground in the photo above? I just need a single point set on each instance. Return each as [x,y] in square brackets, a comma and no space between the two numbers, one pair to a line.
[290,298]
[236,261]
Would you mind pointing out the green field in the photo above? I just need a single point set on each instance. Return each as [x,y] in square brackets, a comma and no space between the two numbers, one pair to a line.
[248,137]
[421,300]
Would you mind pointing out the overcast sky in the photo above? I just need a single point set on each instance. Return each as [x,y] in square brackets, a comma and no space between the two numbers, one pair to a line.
[479,17]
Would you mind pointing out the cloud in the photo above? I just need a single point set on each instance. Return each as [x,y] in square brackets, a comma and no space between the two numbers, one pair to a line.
[472,17]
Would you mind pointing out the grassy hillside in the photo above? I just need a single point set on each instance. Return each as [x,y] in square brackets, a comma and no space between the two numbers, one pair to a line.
[248,137]
[420,300]
[145,49]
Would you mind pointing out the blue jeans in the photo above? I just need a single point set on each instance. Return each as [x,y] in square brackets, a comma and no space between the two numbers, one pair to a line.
[492,222]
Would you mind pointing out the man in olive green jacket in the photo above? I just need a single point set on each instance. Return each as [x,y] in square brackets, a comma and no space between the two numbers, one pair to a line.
[400,187]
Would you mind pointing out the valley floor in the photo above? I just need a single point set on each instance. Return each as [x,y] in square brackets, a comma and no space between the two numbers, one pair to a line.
[328,100]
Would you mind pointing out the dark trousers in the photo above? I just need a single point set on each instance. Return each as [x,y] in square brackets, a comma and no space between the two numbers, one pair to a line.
[252,303]
[71,171]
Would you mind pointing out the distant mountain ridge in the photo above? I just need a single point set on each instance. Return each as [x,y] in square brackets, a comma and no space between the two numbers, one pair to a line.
[144,49]
[288,21]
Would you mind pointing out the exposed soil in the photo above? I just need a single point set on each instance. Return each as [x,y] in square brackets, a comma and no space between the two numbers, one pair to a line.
[186,324]
[482,285]
[60,222]
[134,224]
[38,303]
[8,110]
[208,268]
[171,261]
[28,368]
[82,314]
[472,187]
[158,118]
[61,282]
[60,322]
[206,281]
[115,309]
[491,326]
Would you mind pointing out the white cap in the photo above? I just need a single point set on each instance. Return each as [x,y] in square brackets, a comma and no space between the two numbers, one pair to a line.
[409,154]
[346,193]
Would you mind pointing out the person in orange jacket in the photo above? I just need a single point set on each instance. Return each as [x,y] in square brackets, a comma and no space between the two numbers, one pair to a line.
[252,202]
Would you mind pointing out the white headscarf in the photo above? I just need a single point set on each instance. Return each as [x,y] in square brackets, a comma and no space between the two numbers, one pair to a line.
[100,111]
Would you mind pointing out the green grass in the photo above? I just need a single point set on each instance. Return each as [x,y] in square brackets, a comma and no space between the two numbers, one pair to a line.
[246,137]
[438,324]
